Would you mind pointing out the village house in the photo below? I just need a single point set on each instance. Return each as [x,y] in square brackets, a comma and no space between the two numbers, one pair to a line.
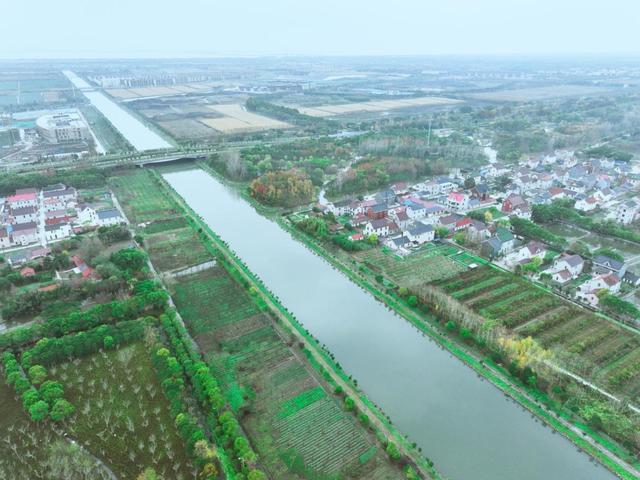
[420,233]
[477,231]
[400,216]
[398,243]
[627,212]
[52,204]
[380,227]
[566,267]
[110,217]
[527,253]
[57,231]
[513,202]
[588,291]
[604,264]
[342,207]
[19,200]
[24,214]
[65,195]
[87,215]
[458,201]
[81,268]
[586,204]
[25,233]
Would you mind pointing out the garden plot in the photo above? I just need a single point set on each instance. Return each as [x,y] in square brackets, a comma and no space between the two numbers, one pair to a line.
[187,128]
[296,426]
[237,119]
[141,198]
[171,250]
[375,106]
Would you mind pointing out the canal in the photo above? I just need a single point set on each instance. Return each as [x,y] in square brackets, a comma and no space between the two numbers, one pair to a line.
[464,424]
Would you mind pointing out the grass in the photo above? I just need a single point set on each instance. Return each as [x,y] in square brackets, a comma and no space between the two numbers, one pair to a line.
[109,137]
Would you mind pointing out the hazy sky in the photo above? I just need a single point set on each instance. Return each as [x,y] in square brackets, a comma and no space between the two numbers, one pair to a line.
[171,28]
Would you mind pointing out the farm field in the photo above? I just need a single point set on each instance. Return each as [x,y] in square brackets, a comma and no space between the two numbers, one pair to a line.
[431,262]
[374,106]
[173,249]
[297,427]
[237,119]
[538,93]
[141,198]
[159,91]
[588,344]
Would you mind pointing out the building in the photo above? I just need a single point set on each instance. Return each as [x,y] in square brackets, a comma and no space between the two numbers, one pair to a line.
[627,212]
[603,264]
[65,195]
[57,231]
[420,233]
[380,227]
[23,199]
[5,239]
[66,127]
[24,214]
[25,233]
[109,217]
[566,267]
[588,291]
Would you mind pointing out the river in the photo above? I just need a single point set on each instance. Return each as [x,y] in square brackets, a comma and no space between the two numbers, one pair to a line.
[464,424]
[137,133]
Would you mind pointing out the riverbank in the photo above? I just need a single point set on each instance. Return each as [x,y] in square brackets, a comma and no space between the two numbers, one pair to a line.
[318,357]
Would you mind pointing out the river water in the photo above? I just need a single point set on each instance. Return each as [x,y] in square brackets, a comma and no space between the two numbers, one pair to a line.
[464,424]
[137,133]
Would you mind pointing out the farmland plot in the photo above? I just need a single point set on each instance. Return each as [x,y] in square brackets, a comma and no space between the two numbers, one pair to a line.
[374,106]
[170,250]
[297,427]
[237,119]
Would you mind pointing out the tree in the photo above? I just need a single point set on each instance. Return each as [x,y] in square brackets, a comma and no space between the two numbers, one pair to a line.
[442,232]
[108,342]
[393,452]
[37,374]
[51,391]
[412,301]
[204,451]
[469,183]
[349,404]
[39,411]
[488,216]
[149,474]
[285,188]
[61,410]
[256,475]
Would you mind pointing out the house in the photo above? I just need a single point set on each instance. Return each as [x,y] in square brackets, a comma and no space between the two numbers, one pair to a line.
[627,212]
[397,243]
[66,195]
[25,233]
[506,238]
[378,211]
[24,214]
[512,202]
[604,264]
[52,204]
[449,221]
[588,291]
[477,231]
[19,200]
[530,251]
[109,217]
[57,231]
[491,247]
[380,227]
[561,276]
[27,272]
[572,264]
[522,211]
[5,239]
[87,215]
[81,267]
[458,201]
[420,233]
[631,278]
[586,204]
[342,207]
[401,217]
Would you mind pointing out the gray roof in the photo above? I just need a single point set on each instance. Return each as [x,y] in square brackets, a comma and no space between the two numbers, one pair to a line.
[23,211]
[59,193]
[420,228]
[19,227]
[400,241]
[573,260]
[54,187]
[608,262]
[111,213]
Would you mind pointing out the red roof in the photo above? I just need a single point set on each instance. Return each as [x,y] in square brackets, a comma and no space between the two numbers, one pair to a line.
[464,222]
[49,288]
[27,272]
[457,197]
[22,197]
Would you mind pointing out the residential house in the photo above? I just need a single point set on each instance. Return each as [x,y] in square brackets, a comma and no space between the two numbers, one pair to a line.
[57,231]
[458,201]
[397,243]
[527,253]
[586,204]
[572,264]
[342,207]
[24,214]
[627,212]
[420,233]
[512,203]
[477,231]
[378,211]
[507,240]
[588,291]
[67,195]
[81,267]
[19,200]
[380,227]
[52,204]
[25,233]
[400,216]
[87,215]
[604,264]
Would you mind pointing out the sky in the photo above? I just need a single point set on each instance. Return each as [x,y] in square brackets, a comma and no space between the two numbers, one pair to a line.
[210,28]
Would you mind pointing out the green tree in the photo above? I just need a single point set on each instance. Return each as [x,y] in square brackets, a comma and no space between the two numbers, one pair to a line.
[393,452]
[39,411]
[61,410]
[37,374]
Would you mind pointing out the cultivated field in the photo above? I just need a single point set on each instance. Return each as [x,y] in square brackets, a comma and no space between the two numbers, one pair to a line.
[298,428]
[590,345]
[170,250]
[160,91]
[375,106]
[238,119]
[538,93]
[430,263]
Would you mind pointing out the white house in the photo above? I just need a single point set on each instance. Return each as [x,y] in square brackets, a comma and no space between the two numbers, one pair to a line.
[627,212]
[25,233]
[109,217]
[566,267]
[19,200]
[530,251]
[586,204]
[52,204]
[420,233]
[87,216]
[381,227]
[458,201]
[65,195]
[342,207]
[24,214]
[57,231]
[588,291]
[400,216]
